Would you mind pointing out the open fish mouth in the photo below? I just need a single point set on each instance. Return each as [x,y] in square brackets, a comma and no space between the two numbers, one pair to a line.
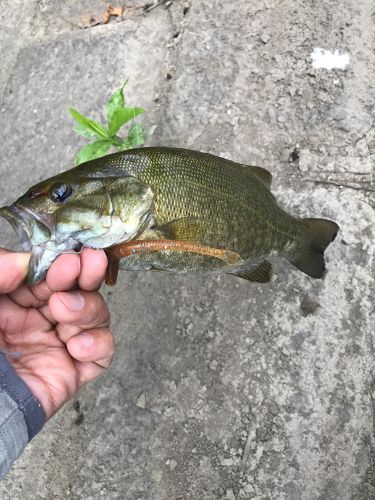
[36,234]
[19,226]
[29,230]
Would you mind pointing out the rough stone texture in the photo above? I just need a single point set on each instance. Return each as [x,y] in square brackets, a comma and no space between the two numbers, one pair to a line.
[220,389]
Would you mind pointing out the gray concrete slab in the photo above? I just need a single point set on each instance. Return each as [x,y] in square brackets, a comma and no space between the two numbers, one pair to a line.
[220,389]
[15,18]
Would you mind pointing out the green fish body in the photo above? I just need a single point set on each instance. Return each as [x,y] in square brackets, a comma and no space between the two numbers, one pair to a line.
[168,194]
[219,203]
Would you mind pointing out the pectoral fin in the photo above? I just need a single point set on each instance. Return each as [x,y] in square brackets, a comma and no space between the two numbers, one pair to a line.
[259,272]
[183,229]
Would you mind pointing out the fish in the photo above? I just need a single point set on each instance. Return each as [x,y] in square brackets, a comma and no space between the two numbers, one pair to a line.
[167,209]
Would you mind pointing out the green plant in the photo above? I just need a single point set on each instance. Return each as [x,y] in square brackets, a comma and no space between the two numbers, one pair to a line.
[105,137]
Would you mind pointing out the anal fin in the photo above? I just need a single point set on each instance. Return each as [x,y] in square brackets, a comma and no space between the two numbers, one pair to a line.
[259,272]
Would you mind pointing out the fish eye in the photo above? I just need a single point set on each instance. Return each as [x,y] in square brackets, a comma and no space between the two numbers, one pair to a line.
[60,192]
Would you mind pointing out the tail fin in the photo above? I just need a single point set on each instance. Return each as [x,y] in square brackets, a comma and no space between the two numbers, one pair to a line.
[311,261]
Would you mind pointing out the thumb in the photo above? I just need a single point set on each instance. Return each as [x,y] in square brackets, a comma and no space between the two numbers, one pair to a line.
[13,269]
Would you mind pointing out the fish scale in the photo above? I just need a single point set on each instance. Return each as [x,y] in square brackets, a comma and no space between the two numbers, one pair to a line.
[171,195]
[217,192]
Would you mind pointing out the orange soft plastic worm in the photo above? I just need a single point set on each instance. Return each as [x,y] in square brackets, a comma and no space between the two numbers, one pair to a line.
[118,252]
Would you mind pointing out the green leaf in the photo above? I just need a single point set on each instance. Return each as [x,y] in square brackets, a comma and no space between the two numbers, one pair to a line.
[122,116]
[124,145]
[117,101]
[85,132]
[136,135]
[94,150]
[95,127]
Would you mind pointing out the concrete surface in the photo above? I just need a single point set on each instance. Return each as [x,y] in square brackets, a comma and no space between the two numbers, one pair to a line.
[220,389]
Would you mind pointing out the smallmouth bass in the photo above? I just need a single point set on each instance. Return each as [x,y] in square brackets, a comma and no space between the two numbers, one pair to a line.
[192,211]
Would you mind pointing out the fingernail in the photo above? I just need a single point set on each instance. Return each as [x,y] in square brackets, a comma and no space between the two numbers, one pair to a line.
[85,340]
[73,300]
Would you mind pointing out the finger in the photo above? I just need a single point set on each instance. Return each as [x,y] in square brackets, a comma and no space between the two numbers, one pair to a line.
[13,269]
[93,266]
[96,345]
[24,326]
[62,275]
[24,296]
[87,371]
[41,291]
[78,308]
[46,313]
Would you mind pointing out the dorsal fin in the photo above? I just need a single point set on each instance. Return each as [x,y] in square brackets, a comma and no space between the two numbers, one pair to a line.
[264,175]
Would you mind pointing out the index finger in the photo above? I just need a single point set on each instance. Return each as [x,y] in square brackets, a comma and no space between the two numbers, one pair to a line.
[13,269]
[62,275]
[69,271]
[93,266]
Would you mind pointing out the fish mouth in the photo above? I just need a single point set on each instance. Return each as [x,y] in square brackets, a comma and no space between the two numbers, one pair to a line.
[29,228]
[37,235]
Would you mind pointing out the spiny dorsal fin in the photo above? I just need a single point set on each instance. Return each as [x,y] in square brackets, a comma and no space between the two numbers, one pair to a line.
[260,272]
[264,175]
[183,229]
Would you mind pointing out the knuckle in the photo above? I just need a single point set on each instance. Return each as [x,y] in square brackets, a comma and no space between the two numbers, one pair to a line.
[96,312]
[41,291]
[108,345]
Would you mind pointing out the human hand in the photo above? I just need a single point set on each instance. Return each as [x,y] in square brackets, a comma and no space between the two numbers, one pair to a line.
[59,327]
